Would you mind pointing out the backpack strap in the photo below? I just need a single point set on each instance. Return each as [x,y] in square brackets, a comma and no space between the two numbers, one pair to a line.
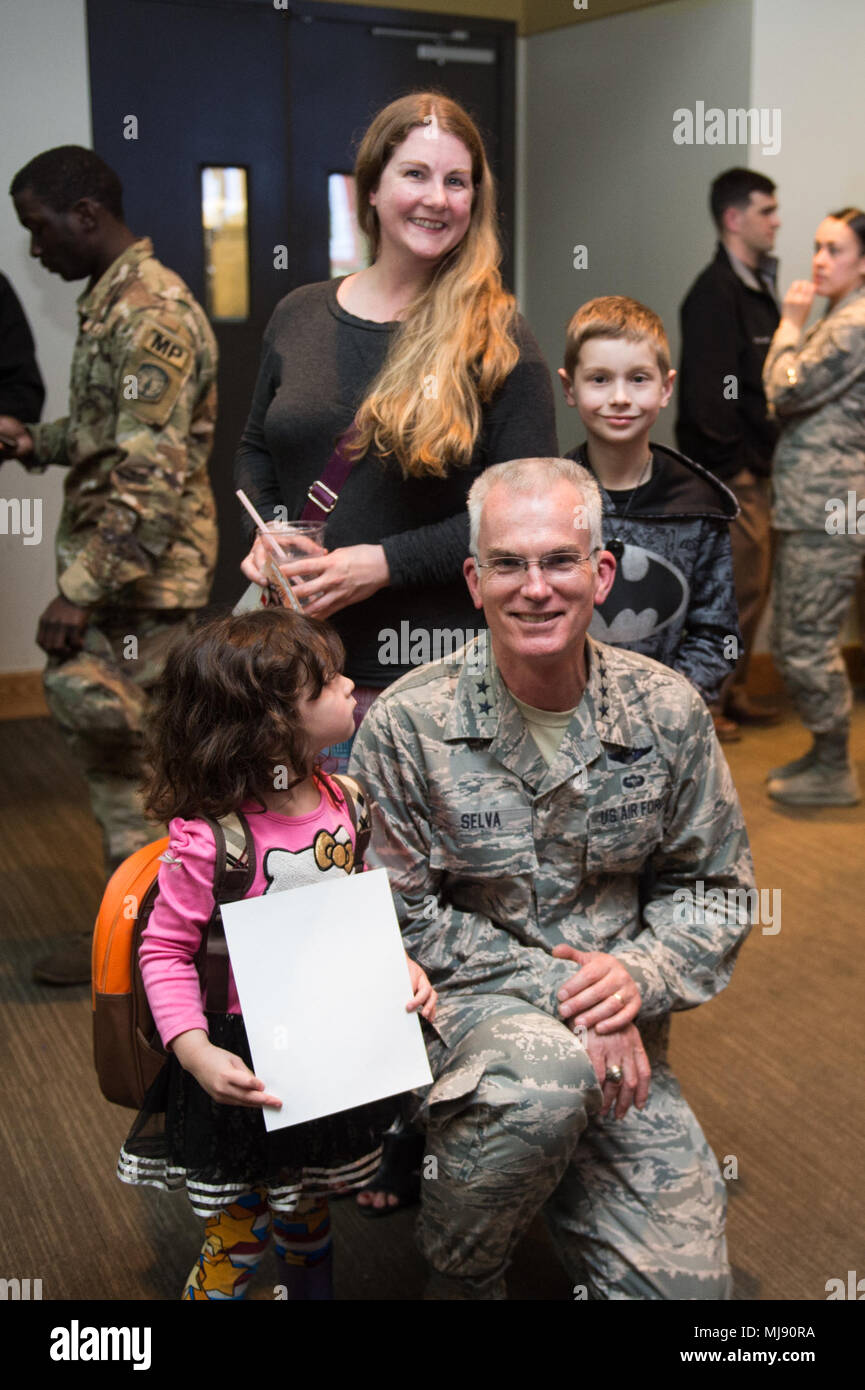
[358,809]
[233,873]
[238,869]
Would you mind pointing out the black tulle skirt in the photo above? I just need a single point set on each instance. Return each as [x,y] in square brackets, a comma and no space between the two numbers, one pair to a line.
[182,1138]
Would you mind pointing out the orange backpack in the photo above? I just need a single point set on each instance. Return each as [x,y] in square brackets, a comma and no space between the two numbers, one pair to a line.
[126,1047]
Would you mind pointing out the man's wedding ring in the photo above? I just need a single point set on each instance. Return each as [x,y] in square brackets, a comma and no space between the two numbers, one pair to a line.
[614,1074]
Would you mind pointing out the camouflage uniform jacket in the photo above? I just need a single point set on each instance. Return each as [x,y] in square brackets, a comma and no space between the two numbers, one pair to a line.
[138,527]
[816,388]
[498,858]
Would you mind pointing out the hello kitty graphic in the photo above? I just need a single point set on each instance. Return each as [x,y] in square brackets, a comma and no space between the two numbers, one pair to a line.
[284,869]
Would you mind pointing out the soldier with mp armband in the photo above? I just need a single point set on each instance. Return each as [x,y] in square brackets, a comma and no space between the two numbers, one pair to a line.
[136,544]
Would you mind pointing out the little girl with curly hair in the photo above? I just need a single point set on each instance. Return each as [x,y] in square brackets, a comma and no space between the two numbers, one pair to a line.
[245,706]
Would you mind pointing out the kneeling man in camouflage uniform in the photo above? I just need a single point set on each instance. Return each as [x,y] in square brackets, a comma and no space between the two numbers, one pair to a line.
[554,813]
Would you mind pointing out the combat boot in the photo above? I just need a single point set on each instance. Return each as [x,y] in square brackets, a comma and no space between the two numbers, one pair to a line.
[829,779]
[779,774]
[818,786]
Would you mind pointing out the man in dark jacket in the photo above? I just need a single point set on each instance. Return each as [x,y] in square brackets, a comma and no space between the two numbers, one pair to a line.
[728,319]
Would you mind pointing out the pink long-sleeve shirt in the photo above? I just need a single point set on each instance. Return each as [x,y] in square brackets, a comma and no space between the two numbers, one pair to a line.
[290,852]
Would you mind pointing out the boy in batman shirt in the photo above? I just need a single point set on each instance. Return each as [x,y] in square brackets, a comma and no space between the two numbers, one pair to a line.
[666,519]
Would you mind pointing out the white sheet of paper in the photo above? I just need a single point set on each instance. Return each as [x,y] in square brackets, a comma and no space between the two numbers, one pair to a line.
[323,983]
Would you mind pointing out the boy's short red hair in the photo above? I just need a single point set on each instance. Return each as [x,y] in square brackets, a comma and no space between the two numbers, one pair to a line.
[616,316]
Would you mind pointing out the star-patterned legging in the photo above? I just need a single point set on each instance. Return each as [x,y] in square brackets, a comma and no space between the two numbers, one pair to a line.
[237,1237]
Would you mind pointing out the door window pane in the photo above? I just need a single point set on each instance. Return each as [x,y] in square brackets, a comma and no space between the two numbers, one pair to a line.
[349,248]
[225,219]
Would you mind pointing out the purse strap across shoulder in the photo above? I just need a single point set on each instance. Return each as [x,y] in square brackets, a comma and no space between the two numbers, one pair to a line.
[324,492]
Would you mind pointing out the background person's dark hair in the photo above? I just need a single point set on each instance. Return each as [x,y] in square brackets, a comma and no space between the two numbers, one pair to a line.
[225,715]
[855,219]
[733,189]
[63,176]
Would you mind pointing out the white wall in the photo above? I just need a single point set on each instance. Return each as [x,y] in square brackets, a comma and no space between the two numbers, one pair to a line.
[44,101]
[809,60]
[602,169]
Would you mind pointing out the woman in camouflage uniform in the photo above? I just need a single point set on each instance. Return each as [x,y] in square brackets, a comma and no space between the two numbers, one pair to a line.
[816,386]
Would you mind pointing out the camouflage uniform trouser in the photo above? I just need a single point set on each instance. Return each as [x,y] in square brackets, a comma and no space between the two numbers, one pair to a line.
[815,578]
[635,1207]
[100,697]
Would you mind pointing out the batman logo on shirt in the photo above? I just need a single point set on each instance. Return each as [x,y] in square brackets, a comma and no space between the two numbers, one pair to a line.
[648,594]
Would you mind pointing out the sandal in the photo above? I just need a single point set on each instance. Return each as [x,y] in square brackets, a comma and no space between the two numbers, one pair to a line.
[399,1173]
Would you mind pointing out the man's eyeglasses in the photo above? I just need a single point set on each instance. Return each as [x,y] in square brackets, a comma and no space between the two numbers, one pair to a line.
[560,564]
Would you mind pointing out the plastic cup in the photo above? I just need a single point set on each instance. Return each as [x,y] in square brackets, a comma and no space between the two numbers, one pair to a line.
[299,540]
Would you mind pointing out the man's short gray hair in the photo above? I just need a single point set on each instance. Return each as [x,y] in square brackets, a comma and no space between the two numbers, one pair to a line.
[534,475]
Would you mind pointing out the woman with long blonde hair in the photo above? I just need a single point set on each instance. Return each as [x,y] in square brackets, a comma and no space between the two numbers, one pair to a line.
[423,357]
